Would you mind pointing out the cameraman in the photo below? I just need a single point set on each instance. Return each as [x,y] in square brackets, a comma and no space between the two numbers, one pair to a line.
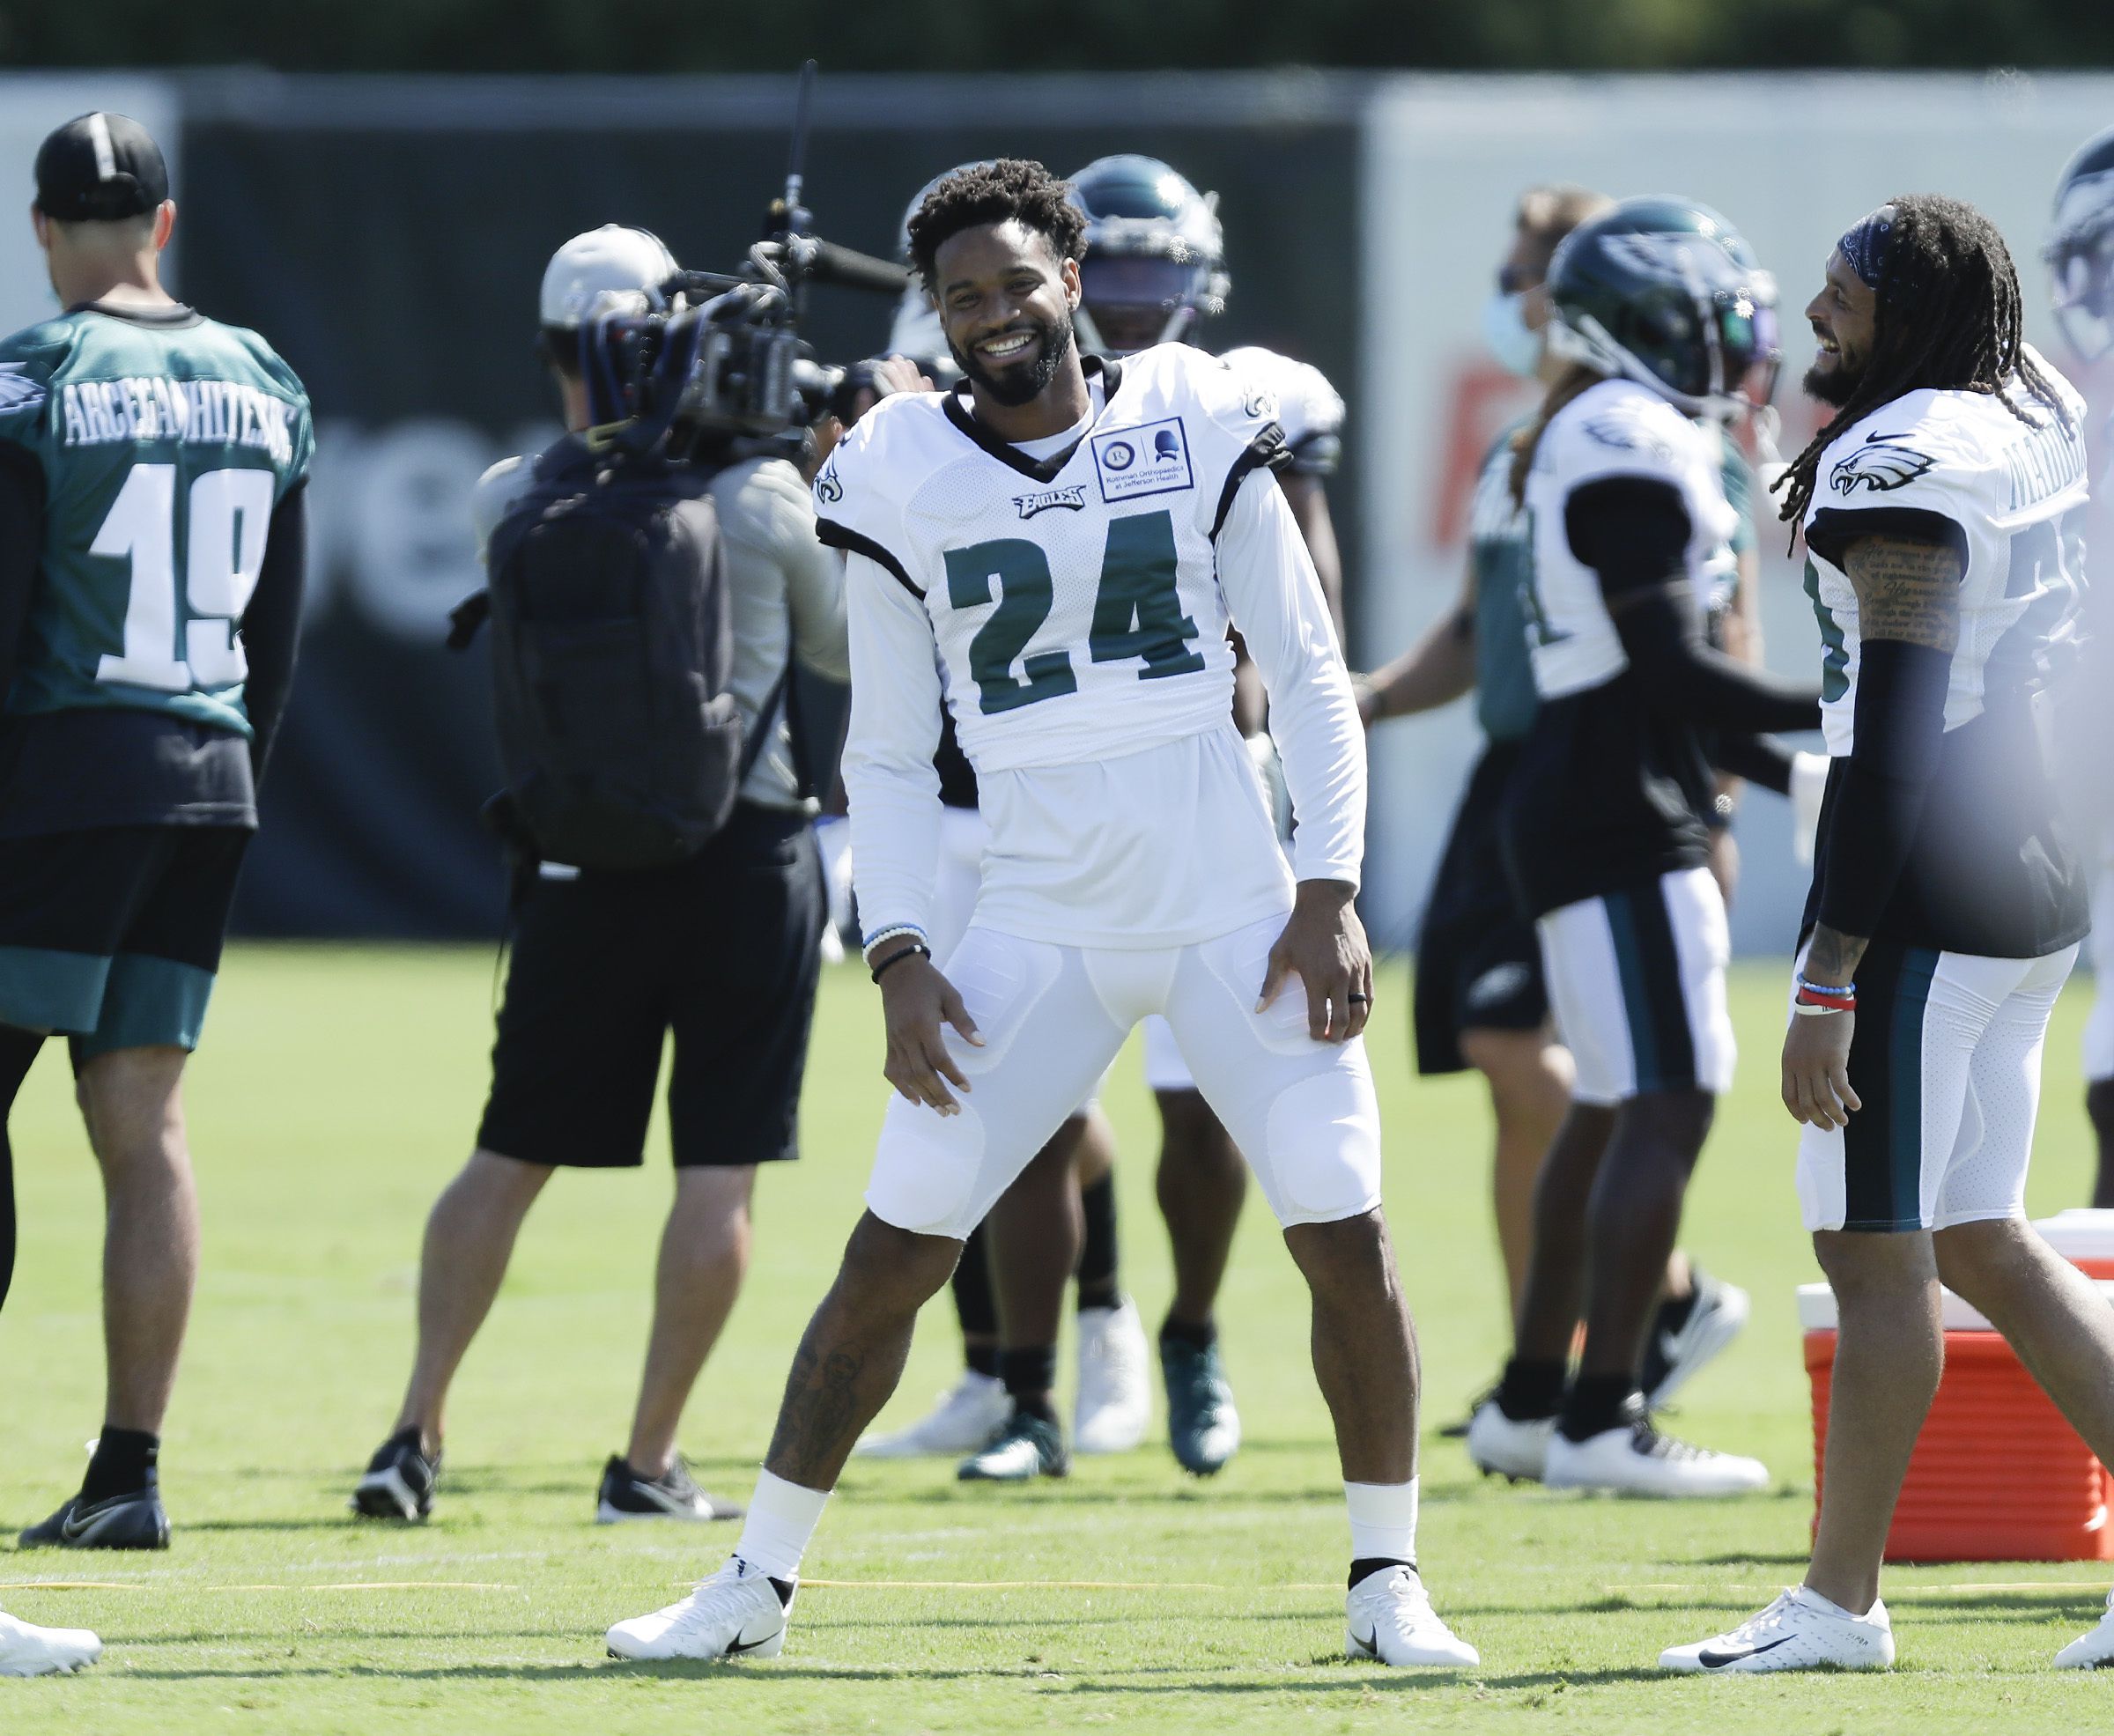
[721,948]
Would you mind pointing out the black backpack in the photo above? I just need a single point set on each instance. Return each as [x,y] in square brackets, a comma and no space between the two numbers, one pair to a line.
[611,647]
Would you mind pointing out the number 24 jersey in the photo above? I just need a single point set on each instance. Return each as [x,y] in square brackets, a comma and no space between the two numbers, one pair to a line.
[1075,600]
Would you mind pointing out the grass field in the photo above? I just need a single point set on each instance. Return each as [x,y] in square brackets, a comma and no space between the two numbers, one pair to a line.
[338,1090]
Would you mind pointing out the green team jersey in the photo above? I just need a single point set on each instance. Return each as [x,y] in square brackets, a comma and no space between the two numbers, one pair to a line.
[165,439]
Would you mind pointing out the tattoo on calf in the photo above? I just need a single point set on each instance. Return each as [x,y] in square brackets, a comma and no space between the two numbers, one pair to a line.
[818,1410]
[1906,591]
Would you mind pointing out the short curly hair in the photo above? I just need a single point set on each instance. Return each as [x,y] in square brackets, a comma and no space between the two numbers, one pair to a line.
[983,193]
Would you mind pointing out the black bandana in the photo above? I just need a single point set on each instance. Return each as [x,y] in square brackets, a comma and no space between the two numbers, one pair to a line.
[1866,244]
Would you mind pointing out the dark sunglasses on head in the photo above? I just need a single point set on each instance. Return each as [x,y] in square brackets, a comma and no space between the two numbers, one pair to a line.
[1512,279]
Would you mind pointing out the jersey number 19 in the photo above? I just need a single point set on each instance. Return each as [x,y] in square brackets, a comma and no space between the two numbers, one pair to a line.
[229,518]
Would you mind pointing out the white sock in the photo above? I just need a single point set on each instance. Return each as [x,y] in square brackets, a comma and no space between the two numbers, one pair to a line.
[1383,1521]
[782,1517]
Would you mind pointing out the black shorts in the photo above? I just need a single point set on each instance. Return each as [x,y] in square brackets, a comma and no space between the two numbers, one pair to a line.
[1478,961]
[113,934]
[723,950]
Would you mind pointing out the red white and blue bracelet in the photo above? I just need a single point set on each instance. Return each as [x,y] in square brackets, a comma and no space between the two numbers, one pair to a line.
[1813,999]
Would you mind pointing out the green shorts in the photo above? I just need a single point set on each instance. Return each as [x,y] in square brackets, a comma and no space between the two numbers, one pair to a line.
[113,935]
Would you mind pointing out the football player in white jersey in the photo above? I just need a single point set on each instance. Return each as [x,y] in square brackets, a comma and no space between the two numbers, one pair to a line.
[2081,264]
[1662,312]
[1057,548]
[1058,1222]
[1941,505]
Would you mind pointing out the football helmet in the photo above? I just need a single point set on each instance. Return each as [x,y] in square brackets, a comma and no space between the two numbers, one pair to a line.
[917,332]
[2080,248]
[1665,292]
[1156,255]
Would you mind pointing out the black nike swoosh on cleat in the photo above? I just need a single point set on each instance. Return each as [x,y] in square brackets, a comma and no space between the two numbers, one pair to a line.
[1718,1660]
[735,1648]
[1370,1645]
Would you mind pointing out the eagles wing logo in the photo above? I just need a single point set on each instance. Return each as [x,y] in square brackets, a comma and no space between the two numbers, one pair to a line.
[828,490]
[1881,463]
[1259,405]
[17,391]
[1611,431]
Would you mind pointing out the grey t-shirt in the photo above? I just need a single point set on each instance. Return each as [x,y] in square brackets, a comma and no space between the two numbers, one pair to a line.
[786,588]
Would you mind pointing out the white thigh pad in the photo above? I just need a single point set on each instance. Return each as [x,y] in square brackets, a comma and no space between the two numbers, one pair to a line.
[1303,1112]
[1047,1039]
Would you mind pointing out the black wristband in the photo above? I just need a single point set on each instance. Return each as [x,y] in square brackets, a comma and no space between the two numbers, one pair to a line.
[897,957]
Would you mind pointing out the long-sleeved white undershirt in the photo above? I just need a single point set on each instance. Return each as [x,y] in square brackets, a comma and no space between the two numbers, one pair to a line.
[1163,846]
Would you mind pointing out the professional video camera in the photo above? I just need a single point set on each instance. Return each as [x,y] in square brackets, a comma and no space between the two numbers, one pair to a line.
[714,362]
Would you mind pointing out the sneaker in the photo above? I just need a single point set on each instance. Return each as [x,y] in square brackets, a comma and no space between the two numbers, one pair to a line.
[28,1651]
[1504,1446]
[1388,1616]
[1115,1393]
[967,1416]
[1203,1426]
[625,1494]
[1801,1630]
[737,1613]
[399,1481]
[2089,1650]
[132,1521]
[1686,1335]
[1458,1429]
[1026,1448]
[1633,1458]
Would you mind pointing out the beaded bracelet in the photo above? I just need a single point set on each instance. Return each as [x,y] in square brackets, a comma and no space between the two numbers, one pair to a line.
[893,932]
[1813,999]
[894,958]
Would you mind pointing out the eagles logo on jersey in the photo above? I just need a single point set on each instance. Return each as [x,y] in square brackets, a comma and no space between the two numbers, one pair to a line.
[1881,463]
[18,391]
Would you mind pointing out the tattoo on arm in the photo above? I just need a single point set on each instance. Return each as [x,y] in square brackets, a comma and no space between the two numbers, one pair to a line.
[1833,958]
[1907,591]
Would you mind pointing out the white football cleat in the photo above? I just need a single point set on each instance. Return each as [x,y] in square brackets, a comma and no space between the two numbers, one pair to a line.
[1716,1316]
[1633,1458]
[965,1418]
[1503,1447]
[1388,1616]
[1800,1630]
[2089,1651]
[734,1614]
[29,1651]
[1115,1382]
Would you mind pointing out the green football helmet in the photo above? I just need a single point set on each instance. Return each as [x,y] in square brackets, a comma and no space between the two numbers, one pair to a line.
[1665,292]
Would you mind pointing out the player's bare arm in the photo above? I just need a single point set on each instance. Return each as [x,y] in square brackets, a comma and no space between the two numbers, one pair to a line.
[1909,592]
[1435,671]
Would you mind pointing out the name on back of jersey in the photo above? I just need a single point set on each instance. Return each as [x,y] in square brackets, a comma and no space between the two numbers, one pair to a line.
[213,412]
[1152,458]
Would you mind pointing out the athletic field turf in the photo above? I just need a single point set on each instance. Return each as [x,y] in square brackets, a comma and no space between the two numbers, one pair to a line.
[339,1089]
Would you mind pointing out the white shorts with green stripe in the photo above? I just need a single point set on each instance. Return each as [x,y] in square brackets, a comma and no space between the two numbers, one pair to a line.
[1945,1060]
[1636,982]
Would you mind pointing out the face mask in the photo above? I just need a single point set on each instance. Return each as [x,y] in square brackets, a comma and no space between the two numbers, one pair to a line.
[1516,347]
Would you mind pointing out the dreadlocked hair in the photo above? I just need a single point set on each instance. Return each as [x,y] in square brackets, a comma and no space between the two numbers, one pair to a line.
[1010,189]
[1950,319]
[1574,382]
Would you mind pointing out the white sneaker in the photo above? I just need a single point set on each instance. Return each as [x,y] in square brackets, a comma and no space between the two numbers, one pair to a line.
[734,1614]
[1502,1447]
[1115,1383]
[1635,1458]
[1713,1319]
[2089,1650]
[967,1416]
[28,1651]
[1801,1630]
[1388,1616]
